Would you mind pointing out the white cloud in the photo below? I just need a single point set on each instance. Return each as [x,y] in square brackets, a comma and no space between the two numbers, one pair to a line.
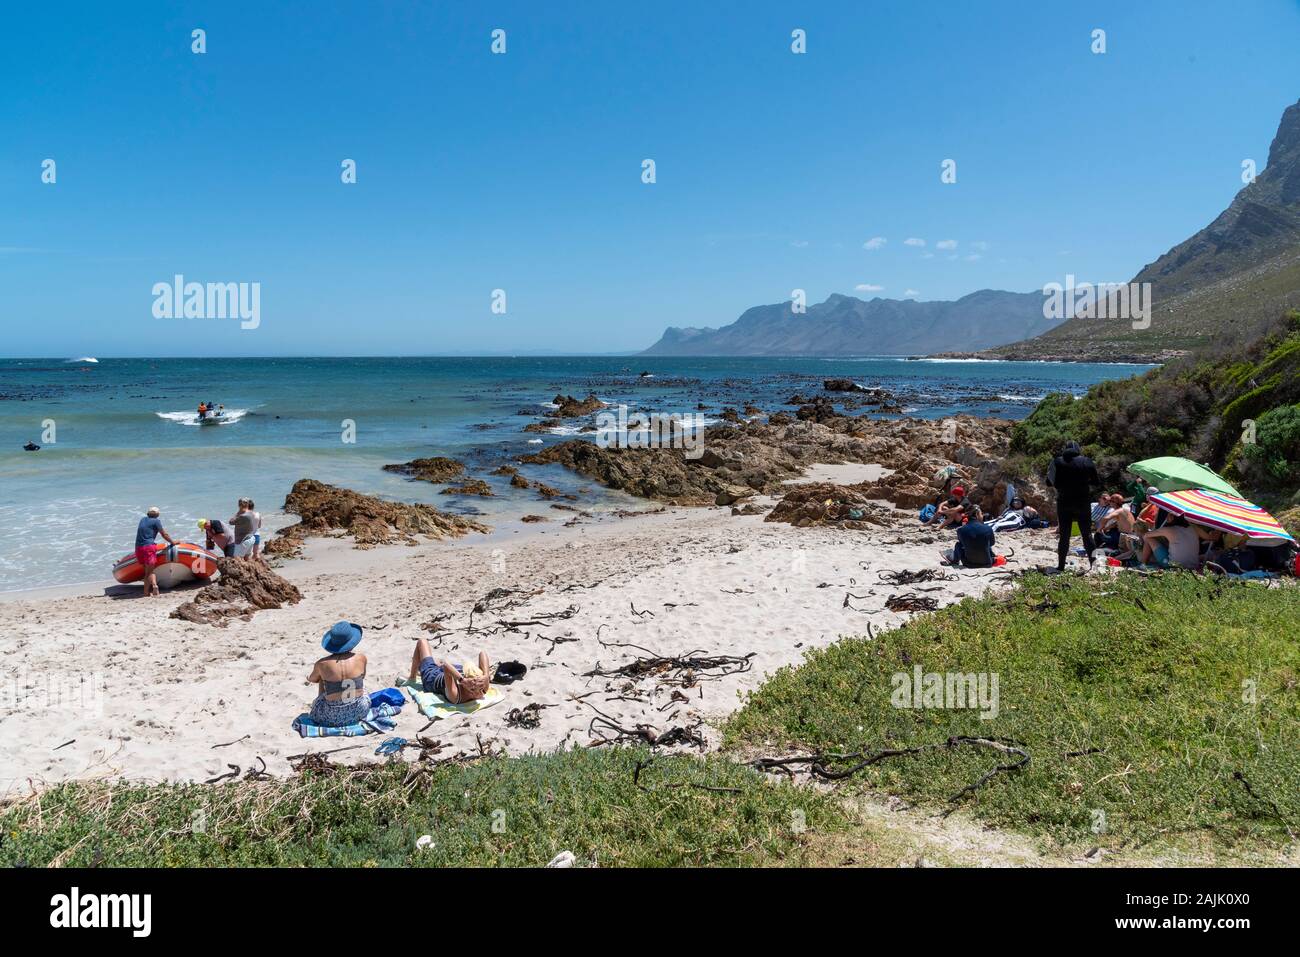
[913,241]
[867,287]
[799,243]
[981,246]
[875,242]
[911,292]
[973,257]
[946,244]
[927,255]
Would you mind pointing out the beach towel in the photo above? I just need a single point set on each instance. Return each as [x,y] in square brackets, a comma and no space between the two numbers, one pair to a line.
[435,706]
[378,721]
[1008,521]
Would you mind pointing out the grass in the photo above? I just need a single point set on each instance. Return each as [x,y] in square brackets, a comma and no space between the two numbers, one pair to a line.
[1149,672]
[1161,713]
[500,811]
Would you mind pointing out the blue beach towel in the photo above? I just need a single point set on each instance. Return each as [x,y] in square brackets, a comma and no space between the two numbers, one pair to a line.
[378,721]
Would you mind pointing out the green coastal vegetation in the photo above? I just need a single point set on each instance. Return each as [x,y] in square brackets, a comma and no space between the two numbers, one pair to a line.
[1237,410]
[1159,714]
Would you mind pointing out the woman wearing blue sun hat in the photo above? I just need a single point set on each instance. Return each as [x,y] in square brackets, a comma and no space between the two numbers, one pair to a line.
[341,678]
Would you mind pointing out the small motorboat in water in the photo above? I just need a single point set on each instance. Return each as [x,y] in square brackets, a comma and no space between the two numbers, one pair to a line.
[177,564]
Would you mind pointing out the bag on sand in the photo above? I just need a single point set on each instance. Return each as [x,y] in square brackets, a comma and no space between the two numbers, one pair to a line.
[927,513]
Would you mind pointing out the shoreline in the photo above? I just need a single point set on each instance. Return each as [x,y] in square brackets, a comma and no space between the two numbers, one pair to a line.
[181,701]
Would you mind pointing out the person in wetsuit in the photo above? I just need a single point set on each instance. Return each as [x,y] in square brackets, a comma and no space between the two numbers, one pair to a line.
[1074,476]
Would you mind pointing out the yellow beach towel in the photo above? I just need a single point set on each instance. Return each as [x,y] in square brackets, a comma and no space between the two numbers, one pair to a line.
[435,706]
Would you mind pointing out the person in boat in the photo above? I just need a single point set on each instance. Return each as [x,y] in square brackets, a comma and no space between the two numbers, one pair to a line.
[454,685]
[203,411]
[245,523]
[219,536]
[146,533]
[340,678]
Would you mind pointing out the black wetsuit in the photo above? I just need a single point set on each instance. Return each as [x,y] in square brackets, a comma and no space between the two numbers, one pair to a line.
[1074,476]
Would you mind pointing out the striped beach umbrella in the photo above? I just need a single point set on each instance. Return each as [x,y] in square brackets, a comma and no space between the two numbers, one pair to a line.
[1230,513]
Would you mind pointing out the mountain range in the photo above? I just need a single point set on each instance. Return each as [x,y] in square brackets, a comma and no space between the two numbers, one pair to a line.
[1230,279]
[846,325]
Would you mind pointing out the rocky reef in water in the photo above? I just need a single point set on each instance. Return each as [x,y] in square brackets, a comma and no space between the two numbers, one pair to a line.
[436,469]
[746,458]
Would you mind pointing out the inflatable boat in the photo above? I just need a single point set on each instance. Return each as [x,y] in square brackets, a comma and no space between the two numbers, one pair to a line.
[177,563]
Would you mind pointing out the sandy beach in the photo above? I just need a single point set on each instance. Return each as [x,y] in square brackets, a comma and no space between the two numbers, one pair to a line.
[183,702]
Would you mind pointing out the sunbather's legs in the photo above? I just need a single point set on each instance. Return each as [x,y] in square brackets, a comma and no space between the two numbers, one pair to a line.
[421,652]
[484,665]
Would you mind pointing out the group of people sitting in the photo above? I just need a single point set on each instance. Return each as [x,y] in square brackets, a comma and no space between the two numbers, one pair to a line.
[975,536]
[1136,531]
[1129,530]
[238,537]
[340,677]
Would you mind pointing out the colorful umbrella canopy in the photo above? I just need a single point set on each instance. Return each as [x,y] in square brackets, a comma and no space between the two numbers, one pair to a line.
[1227,512]
[1170,473]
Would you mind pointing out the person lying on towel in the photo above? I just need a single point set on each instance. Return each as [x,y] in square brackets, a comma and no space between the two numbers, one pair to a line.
[454,685]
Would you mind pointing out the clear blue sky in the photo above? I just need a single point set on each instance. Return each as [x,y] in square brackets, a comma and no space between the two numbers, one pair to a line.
[523,171]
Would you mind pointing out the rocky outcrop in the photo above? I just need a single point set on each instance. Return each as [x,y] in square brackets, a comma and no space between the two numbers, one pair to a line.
[472,486]
[759,457]
[821,409]
[244,587]
[327,510]
[436,469]
[824,503]
[570,408]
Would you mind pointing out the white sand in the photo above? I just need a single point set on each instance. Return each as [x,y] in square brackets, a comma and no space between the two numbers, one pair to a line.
[711,582]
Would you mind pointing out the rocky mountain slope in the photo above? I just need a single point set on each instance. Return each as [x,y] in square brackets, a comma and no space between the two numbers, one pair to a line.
[846,325]
[1237,274]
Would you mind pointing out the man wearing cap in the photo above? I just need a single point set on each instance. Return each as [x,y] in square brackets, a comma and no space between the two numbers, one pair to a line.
[146,554]
[949,513]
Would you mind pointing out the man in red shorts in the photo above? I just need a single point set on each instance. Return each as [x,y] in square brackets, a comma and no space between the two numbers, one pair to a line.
[149,529]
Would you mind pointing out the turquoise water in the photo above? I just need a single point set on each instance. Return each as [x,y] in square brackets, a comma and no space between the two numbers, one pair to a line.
[125,435]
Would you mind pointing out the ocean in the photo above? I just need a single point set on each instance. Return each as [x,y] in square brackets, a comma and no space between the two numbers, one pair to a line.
[118,435]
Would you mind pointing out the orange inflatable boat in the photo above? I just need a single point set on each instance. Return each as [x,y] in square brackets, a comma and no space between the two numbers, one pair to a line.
[177,563]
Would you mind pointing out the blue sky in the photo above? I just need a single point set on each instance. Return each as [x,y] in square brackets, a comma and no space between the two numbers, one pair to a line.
[523,171]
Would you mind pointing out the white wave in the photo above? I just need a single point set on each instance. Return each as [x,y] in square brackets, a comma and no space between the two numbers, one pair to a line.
[534,441]
[229,417]
[82,359]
